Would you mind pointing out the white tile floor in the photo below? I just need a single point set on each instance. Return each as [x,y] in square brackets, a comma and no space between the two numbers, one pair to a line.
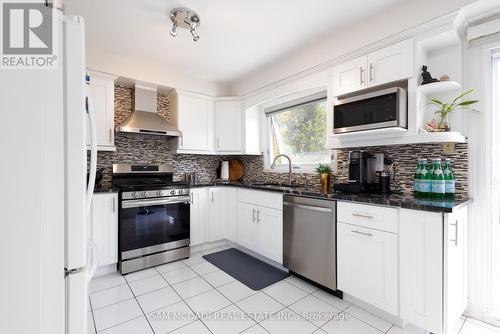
[193,296]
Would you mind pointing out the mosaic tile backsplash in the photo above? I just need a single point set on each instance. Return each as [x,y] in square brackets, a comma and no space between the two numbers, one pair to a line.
[405,161]
[149,149]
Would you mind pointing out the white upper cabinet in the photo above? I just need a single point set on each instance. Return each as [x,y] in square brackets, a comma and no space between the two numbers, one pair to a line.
[102,95]
[208,125]
[385,65]
[196,122]
[350,76]
[390,64]
[228,125]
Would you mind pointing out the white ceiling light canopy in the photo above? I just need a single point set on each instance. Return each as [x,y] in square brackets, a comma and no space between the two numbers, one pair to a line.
[184,18]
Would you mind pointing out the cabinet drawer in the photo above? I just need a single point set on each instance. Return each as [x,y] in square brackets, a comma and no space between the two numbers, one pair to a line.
[261,198]
[380,218]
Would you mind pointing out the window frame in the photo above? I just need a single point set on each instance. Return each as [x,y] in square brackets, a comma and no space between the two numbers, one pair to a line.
[289,104]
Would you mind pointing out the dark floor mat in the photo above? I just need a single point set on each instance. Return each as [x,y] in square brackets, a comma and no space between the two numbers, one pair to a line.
[252,272]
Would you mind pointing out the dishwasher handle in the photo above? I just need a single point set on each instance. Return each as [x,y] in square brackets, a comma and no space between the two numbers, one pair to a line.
[308,207]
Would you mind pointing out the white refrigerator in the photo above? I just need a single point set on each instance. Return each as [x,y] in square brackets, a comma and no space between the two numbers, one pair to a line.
[44,192]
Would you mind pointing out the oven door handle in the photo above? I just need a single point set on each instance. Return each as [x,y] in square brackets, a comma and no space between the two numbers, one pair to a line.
[150,202]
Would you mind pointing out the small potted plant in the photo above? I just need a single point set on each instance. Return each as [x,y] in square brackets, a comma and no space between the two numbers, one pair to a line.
[325,175]
[442,124]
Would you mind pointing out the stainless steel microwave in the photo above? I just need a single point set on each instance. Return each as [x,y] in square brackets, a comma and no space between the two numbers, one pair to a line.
[385,108]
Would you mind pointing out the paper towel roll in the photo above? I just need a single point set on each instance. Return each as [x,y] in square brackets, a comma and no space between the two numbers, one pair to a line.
[224,170]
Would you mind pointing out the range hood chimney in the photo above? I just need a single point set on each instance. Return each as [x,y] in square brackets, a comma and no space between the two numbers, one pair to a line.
[144,118]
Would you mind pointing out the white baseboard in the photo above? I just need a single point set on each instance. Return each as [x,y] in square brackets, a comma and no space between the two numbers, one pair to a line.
[376,311]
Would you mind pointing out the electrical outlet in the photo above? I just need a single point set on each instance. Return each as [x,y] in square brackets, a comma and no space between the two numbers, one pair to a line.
[448,148]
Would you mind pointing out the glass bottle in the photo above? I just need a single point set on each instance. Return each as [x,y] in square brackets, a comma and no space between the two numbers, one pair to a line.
[416,179]
[438,182]
[449,179]
[425,179]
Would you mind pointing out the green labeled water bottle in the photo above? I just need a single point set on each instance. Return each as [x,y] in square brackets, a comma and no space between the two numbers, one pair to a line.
[438,182]
[425,180]
[416,179]
[449,179]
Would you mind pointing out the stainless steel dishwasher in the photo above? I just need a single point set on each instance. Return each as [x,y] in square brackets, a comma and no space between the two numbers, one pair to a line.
[309,239]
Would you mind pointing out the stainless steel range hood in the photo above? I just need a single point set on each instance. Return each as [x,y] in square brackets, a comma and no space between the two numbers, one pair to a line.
[144,118]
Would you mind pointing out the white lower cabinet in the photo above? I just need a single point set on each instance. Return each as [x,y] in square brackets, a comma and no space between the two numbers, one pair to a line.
[433,268]
[103,226]
[221,213]
[269,240]
[367,265]
[198,216]
[246,225]
[260,227]
[216,214]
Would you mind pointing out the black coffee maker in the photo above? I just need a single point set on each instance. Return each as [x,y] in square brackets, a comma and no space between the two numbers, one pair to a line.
[362,175]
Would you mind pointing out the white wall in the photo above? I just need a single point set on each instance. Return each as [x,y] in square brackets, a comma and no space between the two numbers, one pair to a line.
[395,20]
[147,71]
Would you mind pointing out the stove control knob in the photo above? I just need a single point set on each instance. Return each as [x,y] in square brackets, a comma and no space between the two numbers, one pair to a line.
[172,192]
[158,193]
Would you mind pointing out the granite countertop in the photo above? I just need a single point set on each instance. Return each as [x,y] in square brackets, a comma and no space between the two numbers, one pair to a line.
[105,189]
[392,200]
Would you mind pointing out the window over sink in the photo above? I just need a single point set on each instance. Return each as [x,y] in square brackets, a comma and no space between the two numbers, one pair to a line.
[298,130]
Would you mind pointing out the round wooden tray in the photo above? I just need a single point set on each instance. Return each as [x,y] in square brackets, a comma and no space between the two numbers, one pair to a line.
[236,170]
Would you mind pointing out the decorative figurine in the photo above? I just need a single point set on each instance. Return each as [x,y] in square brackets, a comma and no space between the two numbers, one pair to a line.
[427,77]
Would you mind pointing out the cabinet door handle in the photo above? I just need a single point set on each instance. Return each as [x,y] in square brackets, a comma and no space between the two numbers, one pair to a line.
[455,241]
[191,198]
[110,136]
[362,233]
[212,196]
[253,215]
[360,215]
[371,73]
[361,71]
[258,216]
[114,205]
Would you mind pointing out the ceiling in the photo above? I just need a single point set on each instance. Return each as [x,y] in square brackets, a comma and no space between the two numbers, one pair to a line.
[237,37]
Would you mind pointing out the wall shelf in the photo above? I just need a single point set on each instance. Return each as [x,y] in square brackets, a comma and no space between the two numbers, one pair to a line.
[421,138]
[439,87]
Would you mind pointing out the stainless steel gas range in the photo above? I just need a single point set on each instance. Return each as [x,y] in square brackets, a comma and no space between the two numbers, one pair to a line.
[153,223]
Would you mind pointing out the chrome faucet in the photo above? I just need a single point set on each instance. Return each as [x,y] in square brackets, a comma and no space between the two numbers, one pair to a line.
[289,166]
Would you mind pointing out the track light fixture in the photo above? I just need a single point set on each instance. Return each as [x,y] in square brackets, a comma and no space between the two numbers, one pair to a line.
[184,18]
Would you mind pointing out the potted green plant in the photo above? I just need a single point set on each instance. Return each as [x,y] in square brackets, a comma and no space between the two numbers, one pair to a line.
[325,175]
[442,123]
